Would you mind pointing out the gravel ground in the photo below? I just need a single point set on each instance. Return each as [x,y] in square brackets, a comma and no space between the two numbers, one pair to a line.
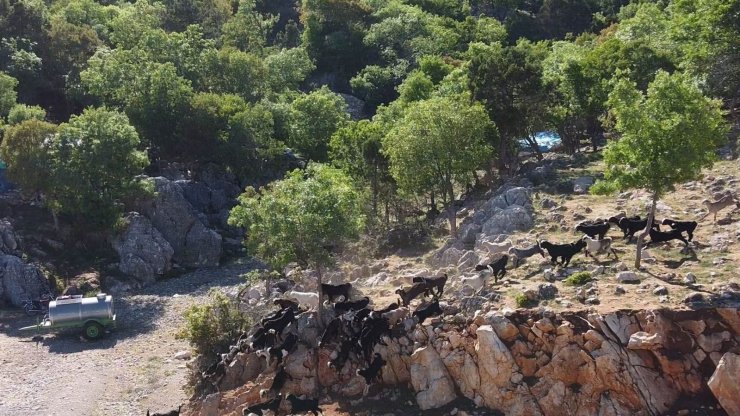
[130,371]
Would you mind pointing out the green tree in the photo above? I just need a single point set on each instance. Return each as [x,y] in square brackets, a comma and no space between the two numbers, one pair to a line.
[667,137]
[437,145]
[22,112]
[95,159]
[210,328]
[287,68]
[357,149]
[26,150]
[300,218]
[508,81]
[7,93]
[314,118]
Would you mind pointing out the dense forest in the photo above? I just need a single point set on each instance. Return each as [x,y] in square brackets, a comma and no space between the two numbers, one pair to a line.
[407,98]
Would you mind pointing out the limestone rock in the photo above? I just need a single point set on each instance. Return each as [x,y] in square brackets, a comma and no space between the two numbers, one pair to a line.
[503,327]
[172,215]
[724,383]
[143,252]
[507,221]
[627,277]
[19,280]
[430,379]
[645,341]
[547,291]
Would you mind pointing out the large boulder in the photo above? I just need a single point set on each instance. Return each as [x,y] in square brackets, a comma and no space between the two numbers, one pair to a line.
[8,240]
[172,215]
[509,211]
[19,280]
[430,379]
[143,252]
[724,383]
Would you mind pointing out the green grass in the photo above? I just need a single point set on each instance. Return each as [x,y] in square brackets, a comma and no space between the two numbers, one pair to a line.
[578,279]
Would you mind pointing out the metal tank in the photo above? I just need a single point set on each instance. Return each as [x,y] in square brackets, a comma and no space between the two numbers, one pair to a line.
[81,309]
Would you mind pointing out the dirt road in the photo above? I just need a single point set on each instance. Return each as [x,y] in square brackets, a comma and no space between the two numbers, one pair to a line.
[133,369]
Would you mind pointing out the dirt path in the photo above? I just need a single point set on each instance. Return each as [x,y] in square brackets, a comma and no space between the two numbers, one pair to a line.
[130,371]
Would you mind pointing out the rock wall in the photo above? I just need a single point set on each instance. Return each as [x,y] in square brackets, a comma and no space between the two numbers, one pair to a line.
[528,363]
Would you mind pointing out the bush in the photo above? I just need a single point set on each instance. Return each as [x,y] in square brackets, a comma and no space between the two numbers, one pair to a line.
[211,328]
[522,301]
[578,279]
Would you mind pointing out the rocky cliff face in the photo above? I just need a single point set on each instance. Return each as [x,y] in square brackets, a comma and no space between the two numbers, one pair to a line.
[528,363]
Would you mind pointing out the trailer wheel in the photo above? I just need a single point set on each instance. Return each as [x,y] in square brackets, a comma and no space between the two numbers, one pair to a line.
[92,330]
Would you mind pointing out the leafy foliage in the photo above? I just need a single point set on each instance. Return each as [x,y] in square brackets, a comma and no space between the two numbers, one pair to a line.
[423,158]
[578,279]
[210,328]
[314,118]
[301,217]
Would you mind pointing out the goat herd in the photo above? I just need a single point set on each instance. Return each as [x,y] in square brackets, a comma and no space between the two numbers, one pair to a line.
[355,328]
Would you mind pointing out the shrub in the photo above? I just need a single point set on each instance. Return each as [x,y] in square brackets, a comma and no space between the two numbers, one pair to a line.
[210,328]
[578,279]
[522,301]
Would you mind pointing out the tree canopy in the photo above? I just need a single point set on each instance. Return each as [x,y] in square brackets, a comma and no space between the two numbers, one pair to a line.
[437,145]
[668,135]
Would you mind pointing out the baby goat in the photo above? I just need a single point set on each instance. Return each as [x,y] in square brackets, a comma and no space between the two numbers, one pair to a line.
[603,245]
[563,251]
[688,226]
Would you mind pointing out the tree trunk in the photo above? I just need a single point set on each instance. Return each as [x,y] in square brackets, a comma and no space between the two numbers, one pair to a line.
[532,142]
[56,220]
[320,309]
[644,233]
[452,211]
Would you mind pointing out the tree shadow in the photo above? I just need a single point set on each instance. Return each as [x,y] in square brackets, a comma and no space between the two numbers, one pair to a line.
[675,264]
[378,402]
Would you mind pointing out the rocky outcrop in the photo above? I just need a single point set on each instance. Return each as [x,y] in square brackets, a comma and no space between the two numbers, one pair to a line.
[509,211]
[430,379]
[19,280]
[539,363]
[143,252]
[724,383]
[175,218]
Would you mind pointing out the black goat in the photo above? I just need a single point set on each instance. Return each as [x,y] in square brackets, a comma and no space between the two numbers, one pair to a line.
[286,304]
[263,338]
[342,355]
[331,331]
[170,413]
[497,268]
[629,226]
[303,405]
[372,331]
[407,295]
[615,219]
[344,307]
[281,351]
[433,283]
[372,372]
[335,291]
[563,251]
[279,324]
[594,229]
[688,226]
[422,313]
[662,237]
[388,308]
[260,408]
[277,382]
